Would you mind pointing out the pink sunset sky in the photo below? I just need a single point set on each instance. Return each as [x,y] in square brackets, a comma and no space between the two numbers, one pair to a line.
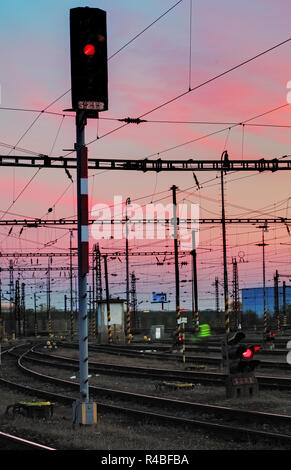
[151,70]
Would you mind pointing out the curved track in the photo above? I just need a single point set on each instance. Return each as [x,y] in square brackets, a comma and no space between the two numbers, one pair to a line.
[141,404]
[165,354]
[11,442]
[210,378]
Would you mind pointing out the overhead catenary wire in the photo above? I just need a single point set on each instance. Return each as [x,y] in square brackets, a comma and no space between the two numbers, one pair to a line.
[33,177]
[206,82]
[144,30]
[149,121]
[197,139]
[65,93]
[177,96]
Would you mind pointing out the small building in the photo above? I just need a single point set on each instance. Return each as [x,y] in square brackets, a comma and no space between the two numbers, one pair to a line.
[7,322]
[116,321]
[157,332]
[253,299]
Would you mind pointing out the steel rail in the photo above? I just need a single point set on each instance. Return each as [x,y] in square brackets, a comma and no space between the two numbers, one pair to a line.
[218,411]
[114,349]
[239,432]
[268,382]
[18,443]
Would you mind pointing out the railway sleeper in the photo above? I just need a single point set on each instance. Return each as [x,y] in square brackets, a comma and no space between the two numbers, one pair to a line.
[31,409]
[200,367]
[173,385]
[196,367]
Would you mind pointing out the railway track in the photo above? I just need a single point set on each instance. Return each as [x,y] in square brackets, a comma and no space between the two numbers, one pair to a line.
[216,419]
[215,378]
[127,371]
[12,442]
[214,347]
[166,355]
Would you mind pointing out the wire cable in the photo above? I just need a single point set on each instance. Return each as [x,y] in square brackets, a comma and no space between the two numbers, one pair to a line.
[144,30]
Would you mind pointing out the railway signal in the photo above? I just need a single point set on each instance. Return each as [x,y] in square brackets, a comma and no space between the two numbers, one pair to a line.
[246,361]
[230,351]
[239,358]
[89,75]
[88,40]
[178,340]
[240,365]
[269,336]
[269,340]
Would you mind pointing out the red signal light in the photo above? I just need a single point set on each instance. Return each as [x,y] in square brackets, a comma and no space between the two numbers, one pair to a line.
[247,353]
[89,49]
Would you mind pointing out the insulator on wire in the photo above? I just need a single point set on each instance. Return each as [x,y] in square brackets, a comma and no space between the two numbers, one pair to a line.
[69,174]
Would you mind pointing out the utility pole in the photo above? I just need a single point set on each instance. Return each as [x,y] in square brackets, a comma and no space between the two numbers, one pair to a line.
[128,319]
[11,293]
[93,309]
[0,299]
[133,299]
[97,289]
[194,284]
[177,280]
[263,244]
[235,292]
[276,300]
[224,157]
[48,293]
[82,406]
[90,311]
[98,286]
[284,305]
[17,309]
[107,301]
[71,288]
[217,295]
[35,317]
[22,308]
[98,274]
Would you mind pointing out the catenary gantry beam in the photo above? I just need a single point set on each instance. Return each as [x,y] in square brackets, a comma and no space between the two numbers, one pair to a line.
[144,165]
[34,223]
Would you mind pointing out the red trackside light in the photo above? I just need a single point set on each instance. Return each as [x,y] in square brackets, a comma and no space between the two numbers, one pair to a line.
[248,353]
[89,49]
